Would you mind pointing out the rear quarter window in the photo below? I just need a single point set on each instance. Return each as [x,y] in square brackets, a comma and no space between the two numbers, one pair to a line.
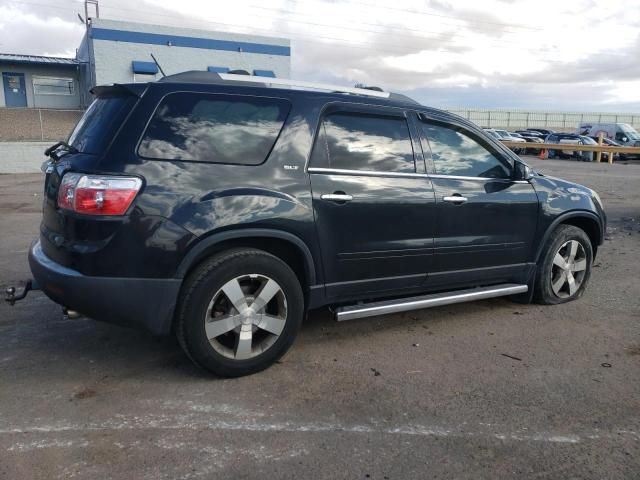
[214,128]
[99,123]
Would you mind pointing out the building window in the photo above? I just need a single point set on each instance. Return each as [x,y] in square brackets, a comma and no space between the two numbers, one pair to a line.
[144,71]
[53,86]
[144,77]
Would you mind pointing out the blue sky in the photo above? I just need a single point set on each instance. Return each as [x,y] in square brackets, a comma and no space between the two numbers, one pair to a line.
[577,55]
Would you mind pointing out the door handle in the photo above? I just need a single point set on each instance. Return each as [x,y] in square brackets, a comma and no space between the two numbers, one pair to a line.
[456,199]
[339,197]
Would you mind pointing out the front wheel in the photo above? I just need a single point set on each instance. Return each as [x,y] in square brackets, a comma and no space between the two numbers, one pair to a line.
[239,312]
[565,266]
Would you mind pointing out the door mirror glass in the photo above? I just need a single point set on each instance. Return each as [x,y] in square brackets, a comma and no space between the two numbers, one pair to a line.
[522,171]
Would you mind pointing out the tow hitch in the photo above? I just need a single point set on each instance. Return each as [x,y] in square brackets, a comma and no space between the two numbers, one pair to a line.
[11,297]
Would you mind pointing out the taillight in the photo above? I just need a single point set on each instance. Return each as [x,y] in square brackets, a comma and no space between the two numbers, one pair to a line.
[97,194]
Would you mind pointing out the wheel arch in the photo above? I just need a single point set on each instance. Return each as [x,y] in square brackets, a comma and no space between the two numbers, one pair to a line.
[283,245]
[585,220]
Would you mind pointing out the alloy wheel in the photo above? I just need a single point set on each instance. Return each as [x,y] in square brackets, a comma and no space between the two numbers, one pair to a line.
[568,269]
[246,316]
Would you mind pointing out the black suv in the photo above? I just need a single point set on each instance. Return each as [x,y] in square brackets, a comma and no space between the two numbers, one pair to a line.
[222,208]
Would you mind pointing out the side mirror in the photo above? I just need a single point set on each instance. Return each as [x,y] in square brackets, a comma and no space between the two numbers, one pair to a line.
[624,139]
[522,171]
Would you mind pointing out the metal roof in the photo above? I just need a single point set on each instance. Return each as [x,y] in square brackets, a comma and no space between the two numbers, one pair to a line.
[36,59]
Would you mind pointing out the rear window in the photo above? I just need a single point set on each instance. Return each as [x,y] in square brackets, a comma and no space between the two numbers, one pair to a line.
[214,128]
[99,123]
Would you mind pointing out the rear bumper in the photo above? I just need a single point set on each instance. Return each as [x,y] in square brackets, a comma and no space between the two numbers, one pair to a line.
[146,303]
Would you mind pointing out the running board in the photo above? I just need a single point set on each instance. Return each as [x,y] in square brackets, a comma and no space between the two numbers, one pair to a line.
[361,310]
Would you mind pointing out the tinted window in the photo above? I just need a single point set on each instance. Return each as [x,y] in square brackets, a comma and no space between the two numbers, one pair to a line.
[367,142]
[456,153]
[99,123]
[214,128]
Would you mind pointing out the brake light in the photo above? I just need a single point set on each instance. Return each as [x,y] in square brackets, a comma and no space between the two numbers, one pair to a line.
[97,194]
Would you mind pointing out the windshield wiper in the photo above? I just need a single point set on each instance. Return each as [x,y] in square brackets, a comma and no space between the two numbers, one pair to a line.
[51,151]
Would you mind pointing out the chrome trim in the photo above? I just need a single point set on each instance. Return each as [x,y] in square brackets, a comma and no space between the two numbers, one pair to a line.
[427,301]
[374,173]
[483,179]
[336,197]
[366,173]
[300,83]
[455,199]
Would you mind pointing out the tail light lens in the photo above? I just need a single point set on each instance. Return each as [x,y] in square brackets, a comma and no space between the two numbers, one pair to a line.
[97,194]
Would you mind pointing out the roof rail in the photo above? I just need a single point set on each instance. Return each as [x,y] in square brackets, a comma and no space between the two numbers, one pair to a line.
[303,84]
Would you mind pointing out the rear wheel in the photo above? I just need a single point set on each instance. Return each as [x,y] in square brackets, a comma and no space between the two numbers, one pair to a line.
[565,266]
[239,312]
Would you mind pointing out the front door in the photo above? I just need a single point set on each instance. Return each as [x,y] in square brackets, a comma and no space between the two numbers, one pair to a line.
[374,211]
[486,220]
[15,93]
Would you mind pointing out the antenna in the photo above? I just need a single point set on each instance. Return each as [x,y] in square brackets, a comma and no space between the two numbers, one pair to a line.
[157,65]
[82,20]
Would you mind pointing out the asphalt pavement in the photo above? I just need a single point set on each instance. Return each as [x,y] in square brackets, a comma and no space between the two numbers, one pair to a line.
[488,389]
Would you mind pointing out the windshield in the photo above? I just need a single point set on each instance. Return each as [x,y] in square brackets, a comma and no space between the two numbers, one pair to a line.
[98,124]
[588,141]
[629,131]
[502,133]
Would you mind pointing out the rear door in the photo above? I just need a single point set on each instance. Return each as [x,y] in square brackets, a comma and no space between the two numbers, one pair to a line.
[486,221]
[374,206]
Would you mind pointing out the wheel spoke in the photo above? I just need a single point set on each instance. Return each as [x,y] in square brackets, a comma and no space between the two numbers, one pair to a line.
[267,292]
[270,323]
[243,343]
[572,283]
[559,261]
[573,246]
[221,325]
[235,295]
[558,284]
[579,266]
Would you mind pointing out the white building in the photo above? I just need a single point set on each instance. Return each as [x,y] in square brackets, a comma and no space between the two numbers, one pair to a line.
[120,52]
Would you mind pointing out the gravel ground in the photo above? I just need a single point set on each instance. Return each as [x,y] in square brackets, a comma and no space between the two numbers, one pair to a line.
[488,389]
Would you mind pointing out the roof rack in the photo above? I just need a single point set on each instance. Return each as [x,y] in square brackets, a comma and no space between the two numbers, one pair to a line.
[303,84]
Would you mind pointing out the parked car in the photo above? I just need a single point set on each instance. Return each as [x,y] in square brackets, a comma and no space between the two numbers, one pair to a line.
[543,131]
[612,143]
[505,136]
[623,133]
[529,138]
[222,208]
[569,139]
[532,133]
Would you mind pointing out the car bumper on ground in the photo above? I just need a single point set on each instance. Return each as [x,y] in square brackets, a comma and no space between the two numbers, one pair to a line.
[146,303]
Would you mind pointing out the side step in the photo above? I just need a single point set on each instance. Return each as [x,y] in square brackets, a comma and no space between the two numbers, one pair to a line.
[361,310]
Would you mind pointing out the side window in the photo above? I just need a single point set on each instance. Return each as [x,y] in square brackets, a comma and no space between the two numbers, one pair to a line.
[455,152]
[366,142]
[214,128]
[553,139]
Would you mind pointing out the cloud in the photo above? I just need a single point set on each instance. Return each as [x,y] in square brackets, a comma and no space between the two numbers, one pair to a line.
[502,53]
[35,32]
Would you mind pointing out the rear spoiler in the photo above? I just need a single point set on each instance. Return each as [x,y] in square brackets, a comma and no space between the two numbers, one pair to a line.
[135,89]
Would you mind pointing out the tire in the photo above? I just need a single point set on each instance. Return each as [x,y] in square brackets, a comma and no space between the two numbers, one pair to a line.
[230,341]
[553,280]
